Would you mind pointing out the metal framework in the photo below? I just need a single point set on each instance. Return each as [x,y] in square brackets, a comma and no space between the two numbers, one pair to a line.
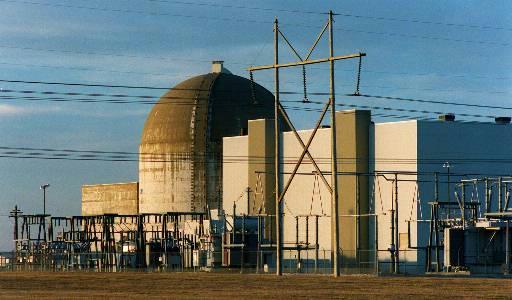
[464,215]
[108,242]
[281,112]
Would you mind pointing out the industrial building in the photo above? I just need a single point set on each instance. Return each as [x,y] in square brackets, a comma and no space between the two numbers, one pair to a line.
[206,194]
[388,176]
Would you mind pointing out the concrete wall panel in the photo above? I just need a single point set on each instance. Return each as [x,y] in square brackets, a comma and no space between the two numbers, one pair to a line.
[115,198]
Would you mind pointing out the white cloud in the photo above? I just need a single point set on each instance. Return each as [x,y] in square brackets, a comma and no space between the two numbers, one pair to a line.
[8,110]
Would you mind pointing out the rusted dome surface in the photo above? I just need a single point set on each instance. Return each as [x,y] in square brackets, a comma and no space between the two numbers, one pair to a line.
[181,144]
[225,100]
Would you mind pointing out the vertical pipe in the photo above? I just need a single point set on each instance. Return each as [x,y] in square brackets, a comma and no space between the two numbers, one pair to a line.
[358,219]
[242,258]
[448,183]
[307,243]
[307,231]
[16,211]
[44,200]
[500,209]
[248,199]
[316,244]
[436,187]
[296,231]
[297,247]
[233,226]
[279,270]
[397,252]
[258,254]
[392,246]
[507,248]
[376,244]
[463,208]
[436,228]
[334,163]
[487,195]
[429,246]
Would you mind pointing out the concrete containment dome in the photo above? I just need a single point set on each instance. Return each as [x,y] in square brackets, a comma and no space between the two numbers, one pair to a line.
[181,147]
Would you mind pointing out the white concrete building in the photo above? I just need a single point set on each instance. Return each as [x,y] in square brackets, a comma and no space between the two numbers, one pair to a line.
[415,149]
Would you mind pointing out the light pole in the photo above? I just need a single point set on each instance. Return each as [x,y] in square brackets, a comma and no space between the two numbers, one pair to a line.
[448,166]
[44,187]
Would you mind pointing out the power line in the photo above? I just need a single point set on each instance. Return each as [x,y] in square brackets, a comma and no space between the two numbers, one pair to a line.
[92,155]
[84,84]
[472,76]
[283,92]
[96,70]
[153,98]
[379,18]
[436,102]
[115,101]
[254,21]
[111,54]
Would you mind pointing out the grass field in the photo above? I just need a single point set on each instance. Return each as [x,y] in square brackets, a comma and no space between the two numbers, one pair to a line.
[206,285]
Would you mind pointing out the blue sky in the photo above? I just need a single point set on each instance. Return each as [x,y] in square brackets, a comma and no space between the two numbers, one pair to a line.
[456,51]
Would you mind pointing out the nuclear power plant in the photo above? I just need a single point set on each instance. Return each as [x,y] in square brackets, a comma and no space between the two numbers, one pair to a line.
[205,198]
[226,182]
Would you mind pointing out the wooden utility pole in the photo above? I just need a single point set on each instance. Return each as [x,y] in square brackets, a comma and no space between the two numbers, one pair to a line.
[280,111]
[335,220]
[279,250]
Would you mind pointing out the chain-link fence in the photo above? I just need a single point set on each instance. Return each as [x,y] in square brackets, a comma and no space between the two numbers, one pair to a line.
[310,261]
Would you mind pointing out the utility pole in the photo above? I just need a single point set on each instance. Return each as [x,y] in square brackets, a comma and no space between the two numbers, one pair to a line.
[447,166]
[280,111]
[279,251]
[15,213]
[44,187]
[334,161]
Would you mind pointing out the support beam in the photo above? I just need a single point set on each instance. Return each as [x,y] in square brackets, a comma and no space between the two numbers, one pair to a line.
[306,62]
[279,270]
[305,150]
[334,162]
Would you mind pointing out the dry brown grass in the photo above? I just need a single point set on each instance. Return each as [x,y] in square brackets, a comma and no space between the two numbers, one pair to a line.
[226,286]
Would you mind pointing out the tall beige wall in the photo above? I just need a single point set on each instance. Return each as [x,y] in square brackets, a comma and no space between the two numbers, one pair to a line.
[352,136]
[115,198]
[395,148]
[235,170]
[307,195]
[261,167]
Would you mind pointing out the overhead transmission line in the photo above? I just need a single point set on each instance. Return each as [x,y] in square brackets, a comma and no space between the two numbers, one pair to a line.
[117,95]
[147,99]
[347,85]
[88,69]
[385,108]
[178,88]
[472,76]
[124,156]
[295,11]
[230,19]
